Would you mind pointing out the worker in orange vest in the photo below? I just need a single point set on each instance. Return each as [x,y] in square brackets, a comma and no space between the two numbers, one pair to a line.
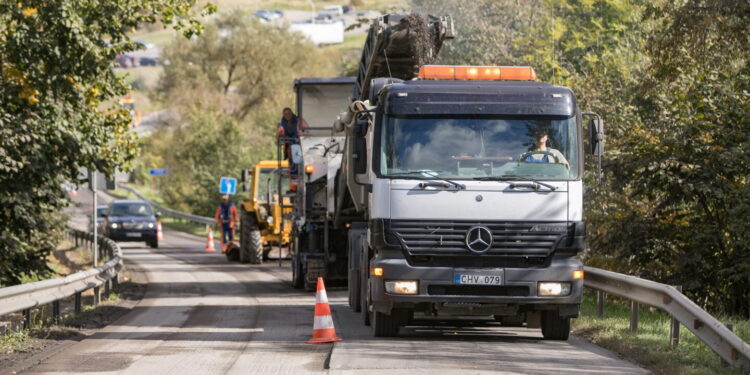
[226,216]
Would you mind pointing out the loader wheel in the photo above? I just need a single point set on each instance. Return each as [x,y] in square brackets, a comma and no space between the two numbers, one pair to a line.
[251,246]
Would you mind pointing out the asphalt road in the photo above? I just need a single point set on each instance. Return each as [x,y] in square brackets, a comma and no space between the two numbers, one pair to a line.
[204,315]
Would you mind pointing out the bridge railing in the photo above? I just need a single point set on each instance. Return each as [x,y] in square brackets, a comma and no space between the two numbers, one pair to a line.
[732,349]
[25,297]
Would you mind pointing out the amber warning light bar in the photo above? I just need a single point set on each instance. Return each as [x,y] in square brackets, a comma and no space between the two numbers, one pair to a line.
[510,73]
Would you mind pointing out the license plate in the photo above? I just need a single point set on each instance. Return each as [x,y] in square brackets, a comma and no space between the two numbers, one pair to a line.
[478,279]
[133,234]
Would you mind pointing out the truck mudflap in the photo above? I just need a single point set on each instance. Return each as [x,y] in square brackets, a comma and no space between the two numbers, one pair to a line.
[505,289]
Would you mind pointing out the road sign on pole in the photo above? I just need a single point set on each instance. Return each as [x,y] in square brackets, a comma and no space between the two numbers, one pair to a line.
[228,185]
[157,172]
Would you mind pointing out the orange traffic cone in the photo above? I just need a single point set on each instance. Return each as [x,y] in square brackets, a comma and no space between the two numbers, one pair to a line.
[323,330]
[210,240]
[159,233]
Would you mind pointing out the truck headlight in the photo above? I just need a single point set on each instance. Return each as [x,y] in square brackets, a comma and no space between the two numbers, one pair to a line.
[401,287]
[113,225]
[554,289]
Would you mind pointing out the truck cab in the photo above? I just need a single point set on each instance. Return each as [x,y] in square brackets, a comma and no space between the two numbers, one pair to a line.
[472,197]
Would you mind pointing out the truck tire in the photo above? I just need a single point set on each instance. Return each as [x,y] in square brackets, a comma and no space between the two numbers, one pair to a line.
[298,274]
[364,293]
[384,325]
[251,247]
[555,327]
[354,291]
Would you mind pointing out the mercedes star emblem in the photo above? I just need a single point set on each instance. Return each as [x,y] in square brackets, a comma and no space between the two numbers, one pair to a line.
[479,239]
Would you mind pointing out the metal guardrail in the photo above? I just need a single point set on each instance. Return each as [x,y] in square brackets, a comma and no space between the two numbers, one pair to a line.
[170,212]
[712,332]
[27,296]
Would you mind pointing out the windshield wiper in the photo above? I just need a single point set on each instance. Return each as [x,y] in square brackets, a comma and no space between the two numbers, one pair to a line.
[510,177]
[430,174]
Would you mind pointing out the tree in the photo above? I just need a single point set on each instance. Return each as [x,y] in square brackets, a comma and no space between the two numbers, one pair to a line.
[197,155]
[237,65]
[57,90]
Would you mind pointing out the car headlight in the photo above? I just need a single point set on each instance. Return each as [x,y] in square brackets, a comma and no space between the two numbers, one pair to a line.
[150,225]
[113,225]
[554,289]
[401,287]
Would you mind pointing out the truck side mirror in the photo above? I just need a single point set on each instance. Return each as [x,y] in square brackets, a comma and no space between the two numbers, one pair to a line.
[596,143]
[246,173]
[596,129]
[359,152]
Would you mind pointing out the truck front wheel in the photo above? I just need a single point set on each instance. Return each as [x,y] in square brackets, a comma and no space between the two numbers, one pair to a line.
[555,327]
[384,325]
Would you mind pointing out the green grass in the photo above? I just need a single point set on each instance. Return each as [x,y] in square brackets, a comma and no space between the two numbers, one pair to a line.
[649,346]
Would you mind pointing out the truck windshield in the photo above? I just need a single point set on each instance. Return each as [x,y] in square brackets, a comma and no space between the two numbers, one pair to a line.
[265,175]
[542,147]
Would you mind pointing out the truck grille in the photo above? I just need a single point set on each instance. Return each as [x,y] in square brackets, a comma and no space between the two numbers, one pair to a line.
[448,238]
[478,290]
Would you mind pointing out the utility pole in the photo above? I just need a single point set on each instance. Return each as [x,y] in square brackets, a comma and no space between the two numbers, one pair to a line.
[92,180]
[94,217]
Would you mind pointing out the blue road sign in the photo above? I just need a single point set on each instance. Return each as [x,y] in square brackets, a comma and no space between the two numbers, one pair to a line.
[157,172]
[228,185]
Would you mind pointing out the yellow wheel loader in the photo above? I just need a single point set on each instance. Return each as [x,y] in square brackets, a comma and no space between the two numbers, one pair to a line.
[262,226]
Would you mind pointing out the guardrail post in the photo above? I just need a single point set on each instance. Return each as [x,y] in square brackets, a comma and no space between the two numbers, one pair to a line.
[674,327]
[600,298]
[78,303]
[723,362]
[97,296]
[633,316]
[56,311]
[27,319]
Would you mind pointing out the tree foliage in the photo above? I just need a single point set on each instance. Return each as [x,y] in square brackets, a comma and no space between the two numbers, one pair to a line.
[237,65]
[57,89]
[674,204]
[197,155]
[230,85]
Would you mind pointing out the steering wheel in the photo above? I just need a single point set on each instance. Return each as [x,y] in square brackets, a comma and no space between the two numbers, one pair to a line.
[525,155]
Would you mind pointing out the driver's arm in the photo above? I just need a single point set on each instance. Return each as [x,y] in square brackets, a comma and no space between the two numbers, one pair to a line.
[560,158]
